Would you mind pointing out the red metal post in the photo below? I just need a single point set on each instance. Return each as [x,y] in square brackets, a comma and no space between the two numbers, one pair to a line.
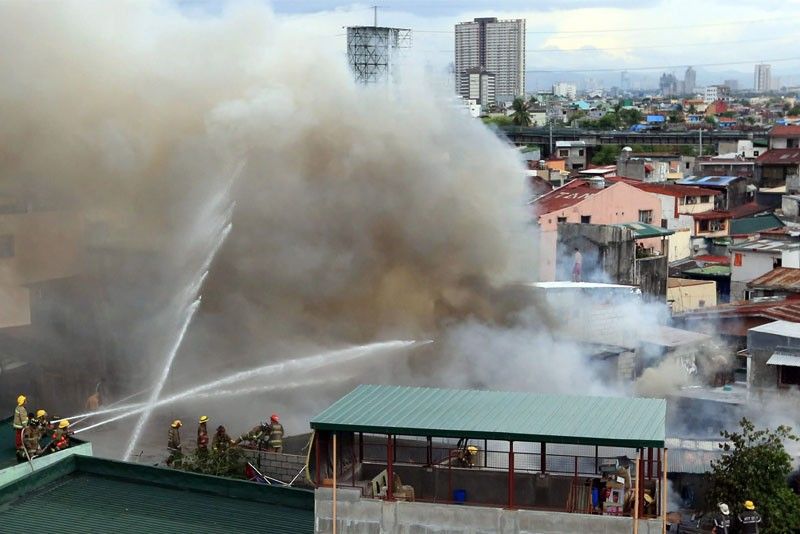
[640,477]
[353,459]
[389,468]
[394,448]
[316,451]
[543,458]
[510,474]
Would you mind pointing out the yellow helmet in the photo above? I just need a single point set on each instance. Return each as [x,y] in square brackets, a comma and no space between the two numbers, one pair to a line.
[41,413]
[176,423]
[203,418]
[64,423]
[749,505]
[472,449]
[21,400]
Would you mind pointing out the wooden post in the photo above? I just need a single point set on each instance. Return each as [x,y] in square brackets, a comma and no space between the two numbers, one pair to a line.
[664,495]
[510,474]
[334,483]
[636,496]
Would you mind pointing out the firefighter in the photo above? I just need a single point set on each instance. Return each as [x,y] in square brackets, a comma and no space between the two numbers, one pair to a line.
[749,519]
[257,436]
[202,435]
[20,422]
[174,442]
[41,418]
[31,436]
[722,521]
[222,441]
[275,442]
[61,436]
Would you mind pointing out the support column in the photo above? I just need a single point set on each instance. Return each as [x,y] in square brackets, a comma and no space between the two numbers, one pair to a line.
[360,447]
[649,463]
[318,455]
[543,458]
[510,474]
[664,490]
[639,484]
[389,468]
[429,459]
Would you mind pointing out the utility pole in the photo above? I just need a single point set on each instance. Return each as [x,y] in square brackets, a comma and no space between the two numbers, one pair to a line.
[701,143]
[375,16]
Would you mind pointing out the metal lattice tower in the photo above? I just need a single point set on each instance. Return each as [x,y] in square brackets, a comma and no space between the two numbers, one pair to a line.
[373,51]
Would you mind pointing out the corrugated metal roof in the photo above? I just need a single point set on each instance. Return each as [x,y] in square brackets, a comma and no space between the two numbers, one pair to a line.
[788,356]
[708,181]
[766,245]
[779,328]
[644,231]
[517,416]
[785,278]
[96,504]
[752,225]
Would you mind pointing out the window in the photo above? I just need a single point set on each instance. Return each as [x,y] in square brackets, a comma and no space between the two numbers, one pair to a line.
[777,262]
[737,259]
[701,304]
[788,376]
[646,216]
[586,219]
[755,153]
[704,198]
[691,200]
[663,223]
[6,246]
[580,152]
[563,153]
[561,220]
[687,165]
[716,226]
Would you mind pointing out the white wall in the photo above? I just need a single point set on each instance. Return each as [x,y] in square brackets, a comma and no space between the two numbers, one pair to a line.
[790,258]
[754,264]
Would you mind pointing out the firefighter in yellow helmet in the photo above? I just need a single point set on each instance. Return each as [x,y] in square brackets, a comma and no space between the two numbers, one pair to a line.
[202,435]
[174,442]
[20,422]
[749,519]
[61,435]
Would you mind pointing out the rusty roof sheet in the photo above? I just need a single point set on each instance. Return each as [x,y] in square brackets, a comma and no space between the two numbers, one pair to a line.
[780,156]
[785,130]
[785,278]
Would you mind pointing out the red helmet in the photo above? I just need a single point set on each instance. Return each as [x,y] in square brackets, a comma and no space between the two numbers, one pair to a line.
[275,418]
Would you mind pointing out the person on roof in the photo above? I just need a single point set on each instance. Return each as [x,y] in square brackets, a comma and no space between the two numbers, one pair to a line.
[222,441]
[20,422]
[202,435]
[275,442]
[749,519]
[577,266]
[174,442]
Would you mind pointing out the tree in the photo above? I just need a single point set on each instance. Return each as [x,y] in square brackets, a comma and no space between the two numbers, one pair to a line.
[629,117]
[521,116]
[755,466]
[606,155]
[794,111]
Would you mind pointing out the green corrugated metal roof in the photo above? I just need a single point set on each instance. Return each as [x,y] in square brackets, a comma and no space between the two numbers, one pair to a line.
[99,496]
[711,270]
[517,416]
[645,231]
[752,225]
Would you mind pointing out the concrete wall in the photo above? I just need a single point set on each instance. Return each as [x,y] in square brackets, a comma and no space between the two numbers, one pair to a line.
[608,252]
[754,264]
[688,296]
[14,472]
[679,244]
[651,276]
[370,516]
[761,345]
[281,466]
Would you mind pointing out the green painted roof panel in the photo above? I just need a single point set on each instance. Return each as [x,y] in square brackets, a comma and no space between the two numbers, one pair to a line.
[518,416]
[645,231]
[752,225]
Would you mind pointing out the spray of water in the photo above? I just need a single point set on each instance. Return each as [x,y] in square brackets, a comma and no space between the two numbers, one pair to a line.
[308,363]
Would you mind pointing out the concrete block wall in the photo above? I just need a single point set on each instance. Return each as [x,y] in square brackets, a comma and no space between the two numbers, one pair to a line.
[281,466]
[355,514]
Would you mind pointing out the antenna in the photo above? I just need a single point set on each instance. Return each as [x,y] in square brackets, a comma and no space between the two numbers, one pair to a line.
[375,15]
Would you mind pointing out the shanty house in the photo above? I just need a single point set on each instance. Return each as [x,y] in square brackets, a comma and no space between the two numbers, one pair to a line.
[755,258]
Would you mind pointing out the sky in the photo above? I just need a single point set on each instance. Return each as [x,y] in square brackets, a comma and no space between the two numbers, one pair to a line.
[721,38]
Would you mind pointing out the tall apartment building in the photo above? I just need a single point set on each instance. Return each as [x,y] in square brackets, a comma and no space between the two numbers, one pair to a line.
[689,80]
[566,90]
[762,81]
[478,85]
[497,46]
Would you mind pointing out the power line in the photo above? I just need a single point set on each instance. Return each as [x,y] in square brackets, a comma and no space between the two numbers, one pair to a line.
[667,67]
[649,28]
[593,49]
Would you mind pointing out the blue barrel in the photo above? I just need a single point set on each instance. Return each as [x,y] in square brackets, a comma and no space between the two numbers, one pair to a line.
[595,497]
[460,496]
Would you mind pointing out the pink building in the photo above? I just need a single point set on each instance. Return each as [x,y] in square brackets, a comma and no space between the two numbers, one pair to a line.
[592,201]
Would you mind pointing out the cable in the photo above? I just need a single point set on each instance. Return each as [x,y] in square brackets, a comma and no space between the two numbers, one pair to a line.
[592,49]
[666,67]
[650,28]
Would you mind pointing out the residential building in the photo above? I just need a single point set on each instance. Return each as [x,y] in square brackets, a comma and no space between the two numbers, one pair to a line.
[574,152]
[784,136]
[773,358]
[716,92]
[498,46]
[780,165]
[732,84]
[668,84]
[565,90]
[592,201]
[478,85]
[762,82]
[689,80]
[733,189]
[684,294]
[725,165]
[756,258]
[780,282]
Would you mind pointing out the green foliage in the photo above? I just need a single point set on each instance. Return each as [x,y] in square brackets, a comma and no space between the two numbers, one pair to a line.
[609,121]
[227,463]
[692,109]
[521,116]
[629,117]
[675,117]
[794,111]
[755,466]
[711,121]
[498,120]
[606,155]
[729,114]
